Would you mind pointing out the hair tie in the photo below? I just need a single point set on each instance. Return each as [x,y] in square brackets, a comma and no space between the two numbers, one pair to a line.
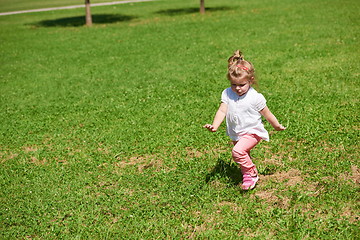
[243,67]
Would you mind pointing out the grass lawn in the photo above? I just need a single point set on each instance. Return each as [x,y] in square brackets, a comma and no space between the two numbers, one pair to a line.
[101,127]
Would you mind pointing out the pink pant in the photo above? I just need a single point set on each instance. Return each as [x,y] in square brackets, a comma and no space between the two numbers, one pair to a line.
[241,153]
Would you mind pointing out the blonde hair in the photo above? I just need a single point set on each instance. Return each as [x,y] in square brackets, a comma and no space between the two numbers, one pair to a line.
[238,67]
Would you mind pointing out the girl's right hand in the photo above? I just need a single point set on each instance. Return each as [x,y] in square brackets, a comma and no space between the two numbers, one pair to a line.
[210,127]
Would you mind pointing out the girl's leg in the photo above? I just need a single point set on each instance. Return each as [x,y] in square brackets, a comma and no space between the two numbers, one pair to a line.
[241,155]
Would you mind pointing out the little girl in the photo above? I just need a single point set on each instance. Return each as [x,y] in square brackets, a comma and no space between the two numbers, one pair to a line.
[243,106]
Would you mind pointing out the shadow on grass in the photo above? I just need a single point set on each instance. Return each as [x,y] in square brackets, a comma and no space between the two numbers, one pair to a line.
[227,170]
[80,20]
[181,11]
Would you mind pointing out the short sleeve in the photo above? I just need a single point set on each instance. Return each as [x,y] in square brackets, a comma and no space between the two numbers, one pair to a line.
[260,102]
[225,97]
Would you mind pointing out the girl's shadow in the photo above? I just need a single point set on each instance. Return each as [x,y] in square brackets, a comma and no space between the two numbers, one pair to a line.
[227,170]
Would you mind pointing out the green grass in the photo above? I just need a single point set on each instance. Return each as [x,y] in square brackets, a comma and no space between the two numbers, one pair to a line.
[101,127]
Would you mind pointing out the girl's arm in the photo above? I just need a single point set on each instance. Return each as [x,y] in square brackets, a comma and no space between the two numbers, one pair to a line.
[218,119]
[272,119]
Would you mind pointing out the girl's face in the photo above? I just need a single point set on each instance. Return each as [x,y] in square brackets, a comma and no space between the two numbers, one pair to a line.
[240,86]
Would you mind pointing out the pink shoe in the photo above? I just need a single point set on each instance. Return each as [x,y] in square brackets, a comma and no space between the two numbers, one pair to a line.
[249,182]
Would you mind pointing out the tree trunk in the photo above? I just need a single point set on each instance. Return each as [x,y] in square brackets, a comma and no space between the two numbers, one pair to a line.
[88,13]
[202,6]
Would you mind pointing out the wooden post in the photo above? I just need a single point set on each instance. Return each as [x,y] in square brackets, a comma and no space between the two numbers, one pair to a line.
[202,6]
[88,13]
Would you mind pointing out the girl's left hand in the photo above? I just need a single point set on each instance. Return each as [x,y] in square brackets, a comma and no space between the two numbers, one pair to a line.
[280,128]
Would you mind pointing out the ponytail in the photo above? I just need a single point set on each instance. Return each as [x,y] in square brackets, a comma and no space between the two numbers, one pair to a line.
[238,67]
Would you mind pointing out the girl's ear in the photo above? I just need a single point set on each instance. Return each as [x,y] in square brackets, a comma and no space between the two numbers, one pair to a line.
[252,80]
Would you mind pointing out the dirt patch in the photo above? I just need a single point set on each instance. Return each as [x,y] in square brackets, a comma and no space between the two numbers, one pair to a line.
[350,214]
[4,156]
[192,231]
[270,197]
[36,161]
[193,153]
[329,148]
[353,176]
[28,149]
[142,163]
[290,178]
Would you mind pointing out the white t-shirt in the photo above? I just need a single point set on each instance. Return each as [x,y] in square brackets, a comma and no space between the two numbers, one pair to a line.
[243,114]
